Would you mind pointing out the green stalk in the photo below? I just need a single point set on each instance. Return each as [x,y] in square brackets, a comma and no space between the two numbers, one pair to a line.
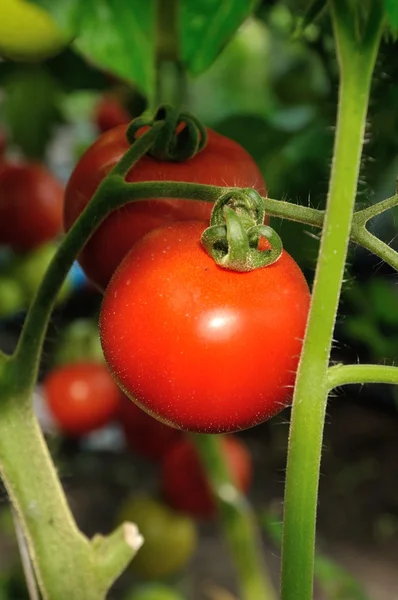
[238,522]
[311,391]
[56,547]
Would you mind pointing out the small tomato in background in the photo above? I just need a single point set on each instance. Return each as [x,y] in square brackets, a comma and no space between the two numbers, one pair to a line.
[222,162]
[170,539]
[144,434]
[82,397]
[183,480]
[200,347]
[31,204]
[28,32]
[110,113]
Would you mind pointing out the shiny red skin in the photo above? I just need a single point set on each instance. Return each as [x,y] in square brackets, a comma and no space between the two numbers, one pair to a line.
[223,162]
[144,434]
[82,397]
[31,205]
[200,347]
[110,113]
[183,480]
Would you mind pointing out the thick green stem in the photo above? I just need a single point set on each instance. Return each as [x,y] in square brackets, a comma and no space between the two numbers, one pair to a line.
[311,390]
[238,522]
[56,547]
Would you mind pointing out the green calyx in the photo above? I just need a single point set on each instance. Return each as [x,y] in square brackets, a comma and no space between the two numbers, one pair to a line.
[181,137]
[237,238]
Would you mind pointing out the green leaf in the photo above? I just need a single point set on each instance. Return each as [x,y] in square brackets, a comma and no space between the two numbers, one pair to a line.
[205,26]
[391,8]
[31,109]
[117,35]
[312,12]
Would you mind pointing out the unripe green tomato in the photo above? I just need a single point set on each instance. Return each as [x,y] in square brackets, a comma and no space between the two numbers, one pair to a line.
[12,298]
[29,271]
[154,591]
[78,342]
[170,539]
[28,32]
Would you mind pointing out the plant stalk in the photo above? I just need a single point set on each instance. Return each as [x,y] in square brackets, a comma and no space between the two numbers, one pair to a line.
[311,390]
[237,521]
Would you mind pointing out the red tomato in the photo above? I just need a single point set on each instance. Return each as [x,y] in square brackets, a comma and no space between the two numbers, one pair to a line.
[183,479]
[144,434]
[110,113]
[31,204]
[222,162]
[197,346]
[82,397]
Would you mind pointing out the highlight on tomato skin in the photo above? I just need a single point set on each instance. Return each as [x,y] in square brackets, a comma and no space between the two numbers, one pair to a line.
[183,480]
[199,347]
[223,162]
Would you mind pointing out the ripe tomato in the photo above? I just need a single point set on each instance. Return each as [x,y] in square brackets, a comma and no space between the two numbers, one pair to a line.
[144,434]
[110,113]
[169,538]
[31,202]
[222,162]
[82,397]
[183,479]
[27,32]
[197,346]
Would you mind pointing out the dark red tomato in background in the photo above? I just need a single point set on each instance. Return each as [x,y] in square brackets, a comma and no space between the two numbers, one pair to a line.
[202,348]
[82,397]
[144,434]
[110,113]
[223,162]
[31,205]
[183,480]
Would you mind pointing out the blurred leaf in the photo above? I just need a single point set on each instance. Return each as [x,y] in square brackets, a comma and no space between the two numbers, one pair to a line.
[383,297]
[311,14]
[335,581]
[391,8]
[30,109]
[239,80]
[205,27]
[118,36]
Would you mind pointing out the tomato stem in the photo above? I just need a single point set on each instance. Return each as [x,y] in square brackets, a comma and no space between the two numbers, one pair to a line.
[235,232]
[348,374]
[238,521]
[356,62]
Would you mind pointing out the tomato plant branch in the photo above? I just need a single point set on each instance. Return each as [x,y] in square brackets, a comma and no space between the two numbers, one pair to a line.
[356,62]
[348,374]
[238,522]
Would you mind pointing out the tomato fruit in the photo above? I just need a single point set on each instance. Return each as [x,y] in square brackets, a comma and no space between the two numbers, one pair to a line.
[222,162]
[183,479]
[154,591]
[82,397]
[169,538]
[31,203]
[144,434]
[197,346]
[28,32]
[110,113]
